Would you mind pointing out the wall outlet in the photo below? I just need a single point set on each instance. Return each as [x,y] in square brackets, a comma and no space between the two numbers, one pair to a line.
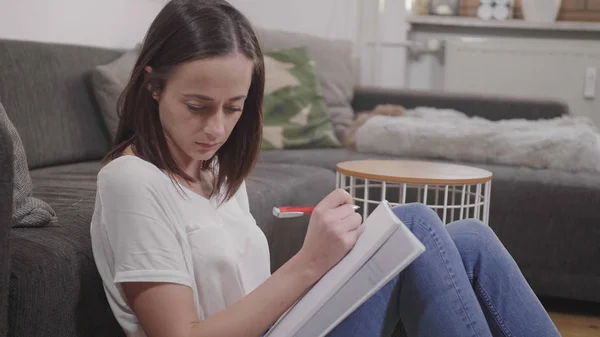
[589,88]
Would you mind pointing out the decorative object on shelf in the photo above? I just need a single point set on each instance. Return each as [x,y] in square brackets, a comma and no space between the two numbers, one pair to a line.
[418,7]
[444,7]
[496,9]
[543,11]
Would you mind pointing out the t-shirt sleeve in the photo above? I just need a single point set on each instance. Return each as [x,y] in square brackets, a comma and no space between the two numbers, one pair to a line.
[140,232]
[243,197]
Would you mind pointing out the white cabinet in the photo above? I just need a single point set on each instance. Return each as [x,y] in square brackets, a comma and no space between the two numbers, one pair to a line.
[545,61]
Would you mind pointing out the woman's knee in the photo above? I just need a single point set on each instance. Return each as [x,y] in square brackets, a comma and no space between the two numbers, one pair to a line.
[417,215]
[412,210]
[470,234]
[480,249]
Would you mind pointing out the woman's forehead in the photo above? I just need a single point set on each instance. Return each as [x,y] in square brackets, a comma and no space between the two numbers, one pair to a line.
[231,72]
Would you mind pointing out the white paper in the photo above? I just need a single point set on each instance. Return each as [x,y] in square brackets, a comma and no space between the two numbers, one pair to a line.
[379,226]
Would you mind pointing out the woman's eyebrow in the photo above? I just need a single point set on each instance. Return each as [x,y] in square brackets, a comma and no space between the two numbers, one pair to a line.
[206,98]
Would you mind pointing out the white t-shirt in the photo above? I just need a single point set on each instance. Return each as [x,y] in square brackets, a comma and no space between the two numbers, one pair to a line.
[145,229]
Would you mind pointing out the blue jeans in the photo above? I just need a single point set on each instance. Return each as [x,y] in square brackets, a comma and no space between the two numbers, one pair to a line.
[465,284]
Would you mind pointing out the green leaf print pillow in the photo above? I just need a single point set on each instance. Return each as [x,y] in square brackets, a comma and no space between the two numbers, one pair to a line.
[295,114]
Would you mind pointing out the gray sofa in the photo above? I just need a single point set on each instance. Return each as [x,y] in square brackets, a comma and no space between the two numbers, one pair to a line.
[49,285]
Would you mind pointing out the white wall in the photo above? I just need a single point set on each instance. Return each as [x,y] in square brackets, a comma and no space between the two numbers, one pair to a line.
[325,18]
[123,23]
[340,19]
[106,23]
[384,66]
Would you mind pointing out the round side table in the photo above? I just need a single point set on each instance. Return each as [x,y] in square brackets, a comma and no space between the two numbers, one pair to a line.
[453,191]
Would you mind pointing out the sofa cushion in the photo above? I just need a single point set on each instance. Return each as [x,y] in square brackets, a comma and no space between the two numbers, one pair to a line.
[27,211]
[272,185]
[6,207]
[46,92]
[53,267]
[335,69]
[325,158]
[55,287]
[108,82]
[294,112]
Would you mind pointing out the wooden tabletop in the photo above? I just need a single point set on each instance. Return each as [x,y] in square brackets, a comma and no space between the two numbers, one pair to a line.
[414,171]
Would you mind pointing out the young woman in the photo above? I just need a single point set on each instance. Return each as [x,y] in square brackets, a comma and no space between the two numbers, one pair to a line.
[180,254]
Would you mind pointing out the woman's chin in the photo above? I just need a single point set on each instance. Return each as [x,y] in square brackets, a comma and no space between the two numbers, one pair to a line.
[200,154]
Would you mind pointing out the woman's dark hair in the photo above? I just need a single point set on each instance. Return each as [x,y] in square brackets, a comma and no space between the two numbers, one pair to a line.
[188,30]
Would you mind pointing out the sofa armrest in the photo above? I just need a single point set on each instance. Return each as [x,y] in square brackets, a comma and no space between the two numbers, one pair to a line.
[485,106]
[6,208]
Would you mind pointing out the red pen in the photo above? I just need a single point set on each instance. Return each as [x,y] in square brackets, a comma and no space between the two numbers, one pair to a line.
[295,211]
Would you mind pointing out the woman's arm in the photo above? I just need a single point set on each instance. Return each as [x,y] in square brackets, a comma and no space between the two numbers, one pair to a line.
[167,309]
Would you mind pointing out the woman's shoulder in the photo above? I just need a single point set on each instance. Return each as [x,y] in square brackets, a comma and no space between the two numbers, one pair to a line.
[130,173]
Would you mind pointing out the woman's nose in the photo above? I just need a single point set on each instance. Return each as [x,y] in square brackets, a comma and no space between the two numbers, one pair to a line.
[215,125]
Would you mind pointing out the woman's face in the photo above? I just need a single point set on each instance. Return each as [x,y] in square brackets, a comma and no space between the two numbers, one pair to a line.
[201,103]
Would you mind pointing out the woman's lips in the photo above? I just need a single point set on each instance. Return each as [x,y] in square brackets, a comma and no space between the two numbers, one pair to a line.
[207,146]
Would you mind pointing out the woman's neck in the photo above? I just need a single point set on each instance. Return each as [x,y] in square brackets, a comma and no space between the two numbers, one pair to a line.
[188,165]
[202,182]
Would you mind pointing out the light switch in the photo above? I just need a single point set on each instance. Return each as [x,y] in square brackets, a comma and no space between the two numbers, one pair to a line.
[589,88]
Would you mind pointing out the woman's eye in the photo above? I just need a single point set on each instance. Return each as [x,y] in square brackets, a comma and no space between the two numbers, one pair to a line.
[196,108]
[234,109]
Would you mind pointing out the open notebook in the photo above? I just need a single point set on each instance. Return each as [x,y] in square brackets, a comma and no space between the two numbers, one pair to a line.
[383,250]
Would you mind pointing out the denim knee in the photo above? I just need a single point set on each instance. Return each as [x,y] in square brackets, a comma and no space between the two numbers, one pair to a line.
[419,210]
[473,238]
[416,215]
[472,229]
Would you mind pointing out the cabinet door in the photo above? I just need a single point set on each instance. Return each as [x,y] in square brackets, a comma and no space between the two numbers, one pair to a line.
[535,68]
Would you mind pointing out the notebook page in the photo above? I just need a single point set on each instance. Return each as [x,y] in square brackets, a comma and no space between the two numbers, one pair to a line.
[400,250]
[378,228]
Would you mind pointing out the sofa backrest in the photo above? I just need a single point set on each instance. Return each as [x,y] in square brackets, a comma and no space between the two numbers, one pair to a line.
[47,94]
[47,91]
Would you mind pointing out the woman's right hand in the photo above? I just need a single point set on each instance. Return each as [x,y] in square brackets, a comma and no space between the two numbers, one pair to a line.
[333,230]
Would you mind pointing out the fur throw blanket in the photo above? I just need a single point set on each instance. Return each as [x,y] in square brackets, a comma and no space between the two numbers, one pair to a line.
[566,143]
